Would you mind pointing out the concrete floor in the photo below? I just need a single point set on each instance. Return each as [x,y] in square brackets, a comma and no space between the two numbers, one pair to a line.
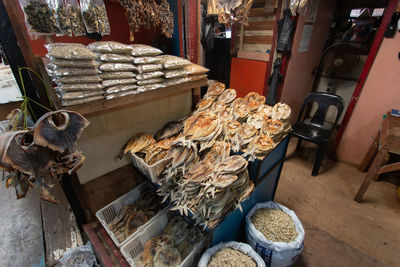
[340,231]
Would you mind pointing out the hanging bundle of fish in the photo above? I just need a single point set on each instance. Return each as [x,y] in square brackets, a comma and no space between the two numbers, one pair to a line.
[131,217]
[171,248]
[34,153]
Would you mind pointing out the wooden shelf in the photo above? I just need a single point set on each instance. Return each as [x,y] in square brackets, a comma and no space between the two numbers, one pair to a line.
[105,105]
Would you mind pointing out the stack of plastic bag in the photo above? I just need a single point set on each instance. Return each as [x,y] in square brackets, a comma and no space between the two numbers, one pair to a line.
[74,68]
[196,72]
[149,67]
[174,69]
[118,71]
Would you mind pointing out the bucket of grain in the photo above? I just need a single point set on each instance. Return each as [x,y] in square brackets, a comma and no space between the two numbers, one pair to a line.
[275,233]
[230,254]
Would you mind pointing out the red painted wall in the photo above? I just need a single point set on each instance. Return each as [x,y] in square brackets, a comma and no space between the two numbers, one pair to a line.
[119,32]
[247,76]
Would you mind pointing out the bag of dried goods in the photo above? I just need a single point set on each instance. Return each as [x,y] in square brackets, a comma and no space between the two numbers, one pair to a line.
[230,254]
[175,73]
[275,233]
[73,102]
[117,67]
[139,50]
[40,18]
[146,60]
[110,47]
[149,67]
[197,77]
[120,88]
[117,75]
[95,16]
[176,81]
[71,87]
[114,82]
[150,87]
[67,63]
[150,81]
[74,71]
[62,18]
[79,95]
[149,75]
[69,51]
[78,79]
[121,94]
[116,58]
[75,17]
[196,69]
[173,62]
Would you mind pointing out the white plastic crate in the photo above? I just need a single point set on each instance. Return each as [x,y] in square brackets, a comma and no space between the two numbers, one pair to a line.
[109,212]
[151,171]
[133,249]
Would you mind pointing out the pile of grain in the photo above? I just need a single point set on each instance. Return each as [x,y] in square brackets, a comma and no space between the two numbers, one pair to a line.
[275,225]
[231,257]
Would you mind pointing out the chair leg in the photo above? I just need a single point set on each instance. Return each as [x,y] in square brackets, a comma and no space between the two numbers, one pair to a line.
[298,146]
[318,159]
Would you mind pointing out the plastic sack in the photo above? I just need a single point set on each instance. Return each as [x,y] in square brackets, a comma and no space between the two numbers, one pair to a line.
[108,83]
[40,17]
[75,17]
[78,79]
[79,257]
[80,87]
[275,253]
[176,81]
[149,67]
[173,62]
[150,81]
[116,58]
[73,102]
[110,47]
[149,87]
[79,95]
[117,75]
[69,51]
[75,71]
[120,88]
[197,77]
[121,94]
[146,60]
[176,73]
[196,69]
[117,67]
[90,63]
[149,75]
[246,249]
[139,50]
[95,16]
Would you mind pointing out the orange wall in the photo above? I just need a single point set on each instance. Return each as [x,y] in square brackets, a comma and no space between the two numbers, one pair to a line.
[298,80]
[380,94]
[119,32]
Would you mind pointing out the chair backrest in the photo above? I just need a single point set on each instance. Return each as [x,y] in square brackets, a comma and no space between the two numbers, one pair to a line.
[324,101]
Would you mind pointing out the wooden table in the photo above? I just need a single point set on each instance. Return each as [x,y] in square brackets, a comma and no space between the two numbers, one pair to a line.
[387,141]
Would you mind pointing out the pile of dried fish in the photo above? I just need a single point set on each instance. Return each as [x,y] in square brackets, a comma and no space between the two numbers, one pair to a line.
[131,217]
[232,11]
[171,247]
[38,153]
[231,257]
[275,225]
[147,13]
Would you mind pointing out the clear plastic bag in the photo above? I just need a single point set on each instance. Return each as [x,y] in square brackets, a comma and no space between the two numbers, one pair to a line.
[176,81]
[79,257]
[197,77]
[79,95]
[149,87]
[149,67]
[69,51]
[116,58]
[101,13]
[110,47]
[79,79]
[109,83]
[75,71]
[139,50]
[62,17]
[121,94]
[173,62]
[95,16]
[120,88]
[71,87]
[117,75]
[150,81]
[66,63]
[196,69]
[75,16]
[149,75]
[176,73]
[117,67]
[146,60]
[40,17]
[73,102]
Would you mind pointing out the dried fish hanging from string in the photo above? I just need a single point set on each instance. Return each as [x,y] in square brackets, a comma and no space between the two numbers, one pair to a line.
[147,14]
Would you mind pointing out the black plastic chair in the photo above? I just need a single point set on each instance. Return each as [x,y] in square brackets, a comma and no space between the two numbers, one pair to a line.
[315,130]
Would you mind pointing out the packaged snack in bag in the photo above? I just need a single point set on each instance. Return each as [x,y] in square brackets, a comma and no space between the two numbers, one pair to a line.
[69,51]
[40,17]
[75,17]
[95,16]
[62,17]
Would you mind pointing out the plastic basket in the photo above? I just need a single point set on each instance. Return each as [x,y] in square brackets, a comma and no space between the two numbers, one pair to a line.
[109,212]
[133,249]
[152,171]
